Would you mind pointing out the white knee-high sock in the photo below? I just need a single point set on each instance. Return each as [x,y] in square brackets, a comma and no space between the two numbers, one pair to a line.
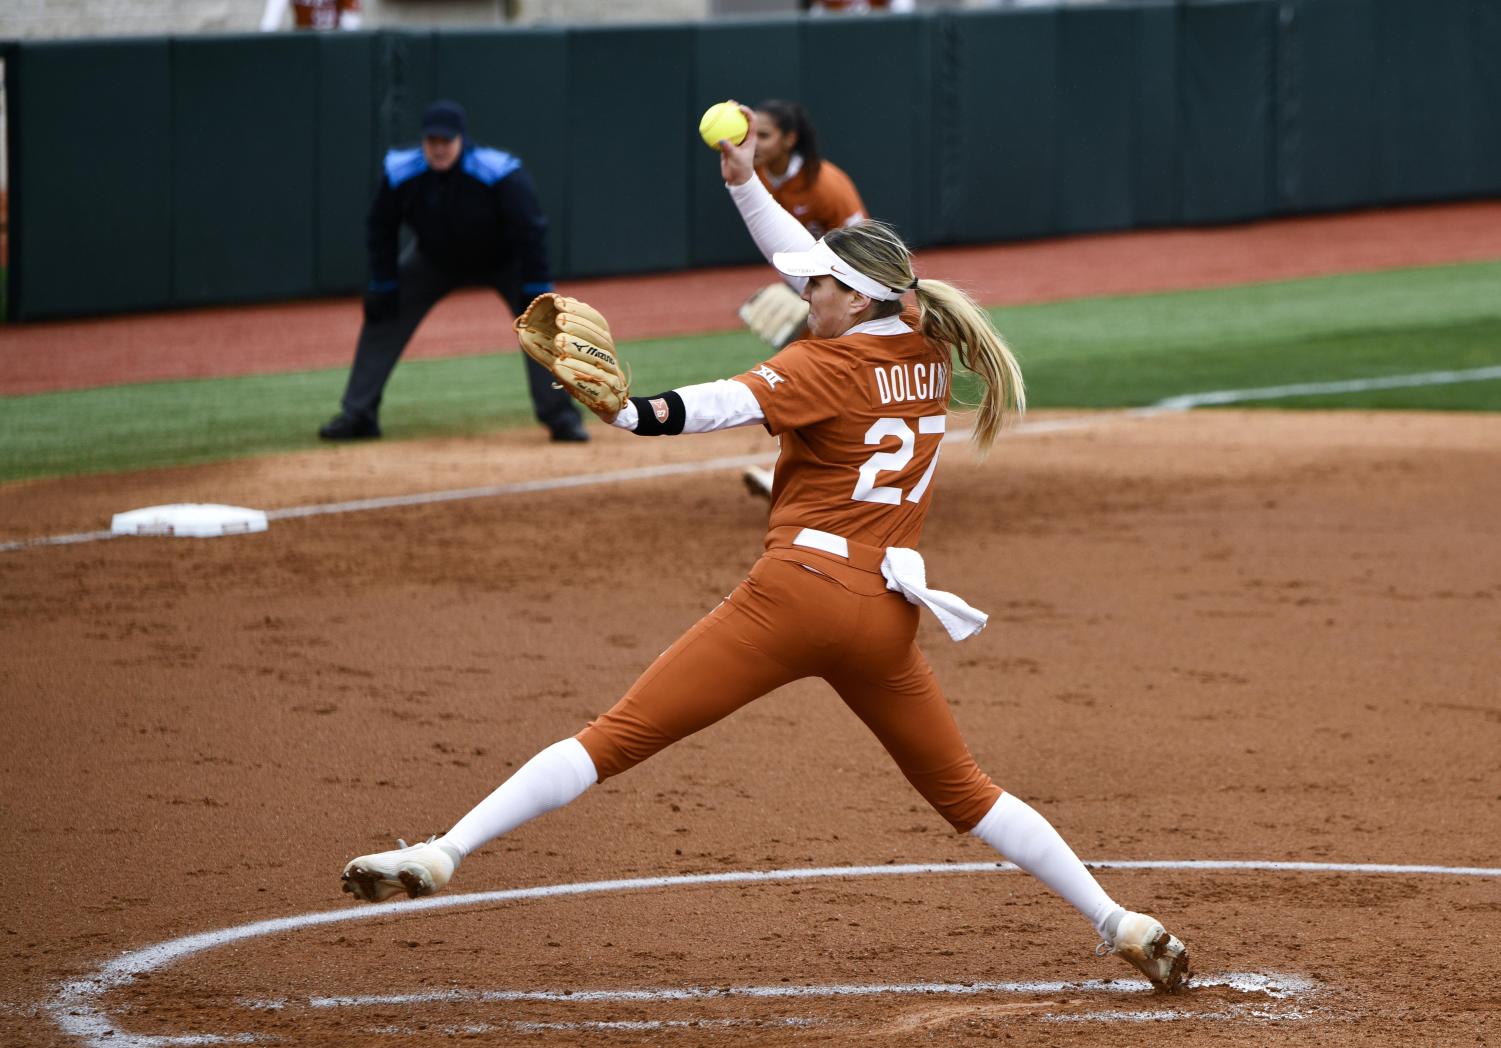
[1024,837]
[551,779]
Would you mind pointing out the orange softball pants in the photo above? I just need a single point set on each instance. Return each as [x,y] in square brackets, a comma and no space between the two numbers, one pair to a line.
[786,622]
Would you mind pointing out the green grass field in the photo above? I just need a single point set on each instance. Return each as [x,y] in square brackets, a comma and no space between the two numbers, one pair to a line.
[1096,353]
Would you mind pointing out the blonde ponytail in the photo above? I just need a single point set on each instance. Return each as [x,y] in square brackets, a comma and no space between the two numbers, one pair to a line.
[947,316]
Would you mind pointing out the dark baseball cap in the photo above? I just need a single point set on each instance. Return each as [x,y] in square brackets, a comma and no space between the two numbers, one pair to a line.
[443,120]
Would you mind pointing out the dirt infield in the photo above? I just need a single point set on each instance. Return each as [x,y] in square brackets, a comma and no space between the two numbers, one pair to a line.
[1215,636]
[1220,636]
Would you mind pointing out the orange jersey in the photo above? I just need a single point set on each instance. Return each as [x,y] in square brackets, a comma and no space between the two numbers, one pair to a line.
[322,14]
[860,419]
[830,202]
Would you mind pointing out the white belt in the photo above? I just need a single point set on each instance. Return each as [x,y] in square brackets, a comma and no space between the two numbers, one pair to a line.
[823,540]
[906,574]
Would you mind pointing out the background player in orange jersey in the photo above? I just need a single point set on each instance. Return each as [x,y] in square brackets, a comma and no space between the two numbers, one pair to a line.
[860,408]
[813,190]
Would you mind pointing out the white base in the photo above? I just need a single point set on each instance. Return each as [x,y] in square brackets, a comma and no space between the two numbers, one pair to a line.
[189,520]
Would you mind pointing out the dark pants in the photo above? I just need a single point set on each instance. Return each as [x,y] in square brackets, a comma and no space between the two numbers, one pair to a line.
[382,342]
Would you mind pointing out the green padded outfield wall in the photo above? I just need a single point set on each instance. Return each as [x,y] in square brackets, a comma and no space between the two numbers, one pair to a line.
[1097,119]
[1001,182]
[240,168]
[91,177]
[867,85]
[508,84]
[245,129]
[346,148]
[1385,102]
[1327,122]
[404,82]
[1155,112]
[1060,120]
[751,61]
[1427,94]
[1485,23]
[629,97]
[1225,100]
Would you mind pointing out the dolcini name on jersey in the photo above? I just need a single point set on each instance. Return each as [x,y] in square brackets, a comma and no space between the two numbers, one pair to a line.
[904,383]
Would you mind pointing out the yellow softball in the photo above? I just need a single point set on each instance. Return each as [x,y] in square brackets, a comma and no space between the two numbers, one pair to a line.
[722,120]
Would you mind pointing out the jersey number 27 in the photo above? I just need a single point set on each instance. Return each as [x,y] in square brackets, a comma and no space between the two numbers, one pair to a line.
[866,488]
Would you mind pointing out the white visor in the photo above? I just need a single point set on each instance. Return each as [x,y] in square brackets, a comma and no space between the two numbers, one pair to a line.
[820,260]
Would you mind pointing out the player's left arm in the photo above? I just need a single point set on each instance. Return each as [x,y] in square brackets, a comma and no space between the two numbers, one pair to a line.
[701,408]
[797,387]
[572,340]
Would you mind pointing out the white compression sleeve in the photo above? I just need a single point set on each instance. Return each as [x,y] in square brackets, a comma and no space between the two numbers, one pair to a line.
[707,406]
[1024,837]
[724,404]
[769,224]
[551,779]
[626,420]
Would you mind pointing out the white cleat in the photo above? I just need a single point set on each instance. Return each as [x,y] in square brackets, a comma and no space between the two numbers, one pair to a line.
[417,869]
[758,480]
[1144,942]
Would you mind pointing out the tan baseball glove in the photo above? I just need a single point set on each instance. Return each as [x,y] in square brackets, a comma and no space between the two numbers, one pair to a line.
[776,314]
[572,340]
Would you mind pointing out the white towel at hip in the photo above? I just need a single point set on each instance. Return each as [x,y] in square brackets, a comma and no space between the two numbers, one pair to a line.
[906,573]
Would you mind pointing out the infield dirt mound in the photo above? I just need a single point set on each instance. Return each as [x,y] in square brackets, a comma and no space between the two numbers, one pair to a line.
[1215,635]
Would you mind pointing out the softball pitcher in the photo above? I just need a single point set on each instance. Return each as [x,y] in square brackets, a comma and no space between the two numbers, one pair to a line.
[860,408]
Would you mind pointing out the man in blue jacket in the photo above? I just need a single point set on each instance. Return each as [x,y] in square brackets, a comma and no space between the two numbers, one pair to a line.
[476,221]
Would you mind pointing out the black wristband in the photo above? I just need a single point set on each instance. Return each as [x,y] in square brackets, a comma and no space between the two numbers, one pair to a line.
[660,416]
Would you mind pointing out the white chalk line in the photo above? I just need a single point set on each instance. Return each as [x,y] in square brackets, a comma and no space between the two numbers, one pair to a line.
[629,1025]
[1315,389]
[72,1008]
[454,495]
[1273,986]
[1170,404]
[1234,1013]
[527,487]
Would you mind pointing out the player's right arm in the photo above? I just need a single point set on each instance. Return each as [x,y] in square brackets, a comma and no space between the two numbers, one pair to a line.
[768,223]
[770,226]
